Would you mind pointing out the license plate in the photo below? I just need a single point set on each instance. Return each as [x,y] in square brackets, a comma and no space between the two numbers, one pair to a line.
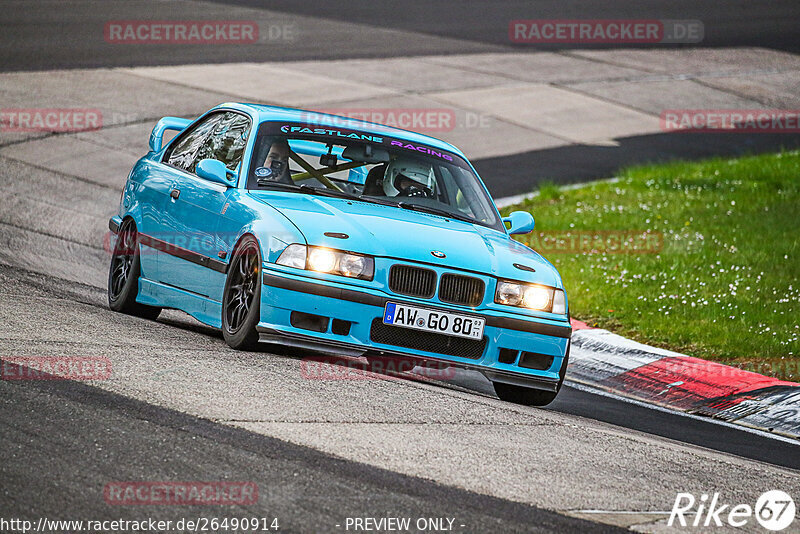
[450,324]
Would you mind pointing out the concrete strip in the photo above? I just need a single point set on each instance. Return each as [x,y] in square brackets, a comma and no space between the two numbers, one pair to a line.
[409,75]
[68,154]
[538,67]
[131,140]
[626,519]
[776,90]
[477,134]
[565,114]
[653,97]
[695,61]
[264,83]
[120,97]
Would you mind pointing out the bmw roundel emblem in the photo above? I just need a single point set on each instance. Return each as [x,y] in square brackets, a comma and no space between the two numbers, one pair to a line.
[438,254]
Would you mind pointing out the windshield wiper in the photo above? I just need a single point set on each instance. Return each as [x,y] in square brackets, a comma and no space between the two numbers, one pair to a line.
[309,190]
[436,211]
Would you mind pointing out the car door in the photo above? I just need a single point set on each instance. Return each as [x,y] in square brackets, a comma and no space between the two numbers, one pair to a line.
[176,162]
[196,206]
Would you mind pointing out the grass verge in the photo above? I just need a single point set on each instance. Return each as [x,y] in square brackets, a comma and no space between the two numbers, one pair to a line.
[700,257]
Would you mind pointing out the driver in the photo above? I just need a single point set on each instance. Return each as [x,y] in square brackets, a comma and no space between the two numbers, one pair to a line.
[278,162]
[407,177]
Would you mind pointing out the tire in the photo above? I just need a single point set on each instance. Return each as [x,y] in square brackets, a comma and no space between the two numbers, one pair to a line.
[123,275]
[242,296]
[530,396]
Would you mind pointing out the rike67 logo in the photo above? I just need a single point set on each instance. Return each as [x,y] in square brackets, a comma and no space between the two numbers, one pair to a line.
[774,510]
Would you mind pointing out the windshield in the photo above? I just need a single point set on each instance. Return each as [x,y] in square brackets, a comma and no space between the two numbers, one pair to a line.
[334,161]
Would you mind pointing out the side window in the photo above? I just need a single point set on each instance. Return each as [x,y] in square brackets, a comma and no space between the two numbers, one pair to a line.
[460,198]
[221,136]
[184,154]
[227,140]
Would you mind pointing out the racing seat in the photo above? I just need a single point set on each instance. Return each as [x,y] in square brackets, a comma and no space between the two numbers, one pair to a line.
[372,185]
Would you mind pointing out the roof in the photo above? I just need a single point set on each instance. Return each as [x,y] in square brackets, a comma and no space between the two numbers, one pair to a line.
[275,113]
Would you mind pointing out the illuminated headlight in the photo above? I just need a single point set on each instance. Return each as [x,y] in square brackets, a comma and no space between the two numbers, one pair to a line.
[534,297]
[322,260]
[326,260]
[537,297]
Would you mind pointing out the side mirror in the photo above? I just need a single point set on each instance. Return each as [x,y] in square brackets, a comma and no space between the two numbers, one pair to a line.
[213,170]
[520,222]
[167,123]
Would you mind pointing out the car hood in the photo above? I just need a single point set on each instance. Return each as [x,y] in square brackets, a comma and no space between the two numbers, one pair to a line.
[389,231]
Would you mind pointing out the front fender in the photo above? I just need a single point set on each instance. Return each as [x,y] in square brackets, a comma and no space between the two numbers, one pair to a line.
[272,241]
[271,228]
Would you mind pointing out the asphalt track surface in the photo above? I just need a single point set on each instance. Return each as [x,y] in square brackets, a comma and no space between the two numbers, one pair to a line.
[736,23]
[123,439]
[181,406]
[65,31]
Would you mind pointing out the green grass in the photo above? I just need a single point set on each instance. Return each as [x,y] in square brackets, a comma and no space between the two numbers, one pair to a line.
[724,284]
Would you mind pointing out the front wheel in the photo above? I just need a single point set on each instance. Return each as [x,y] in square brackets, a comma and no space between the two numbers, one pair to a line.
[242,295]
[530,396]
[123,275]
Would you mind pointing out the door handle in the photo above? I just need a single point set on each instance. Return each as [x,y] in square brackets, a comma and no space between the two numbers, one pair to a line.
[175,193]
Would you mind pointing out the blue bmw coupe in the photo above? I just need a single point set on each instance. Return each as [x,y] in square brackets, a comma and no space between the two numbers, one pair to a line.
[339,236]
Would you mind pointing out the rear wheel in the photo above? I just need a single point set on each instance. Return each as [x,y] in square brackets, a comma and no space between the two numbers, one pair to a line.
[530,396]
[123,275]
[242,295]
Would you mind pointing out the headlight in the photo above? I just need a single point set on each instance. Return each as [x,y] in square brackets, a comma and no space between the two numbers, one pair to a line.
[322,260]
[351,265]
[559,302]
[532,296]
[537,297]
[326,260]
[293,256]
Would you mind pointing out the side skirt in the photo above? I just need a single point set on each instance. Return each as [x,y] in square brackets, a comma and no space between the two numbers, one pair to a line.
[202,308]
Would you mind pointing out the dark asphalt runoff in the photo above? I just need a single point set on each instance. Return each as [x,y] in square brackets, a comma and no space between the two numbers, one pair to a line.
[63,441]
[57,34]
[732,23]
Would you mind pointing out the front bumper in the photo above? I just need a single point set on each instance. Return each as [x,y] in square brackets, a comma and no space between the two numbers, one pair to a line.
[545,343]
